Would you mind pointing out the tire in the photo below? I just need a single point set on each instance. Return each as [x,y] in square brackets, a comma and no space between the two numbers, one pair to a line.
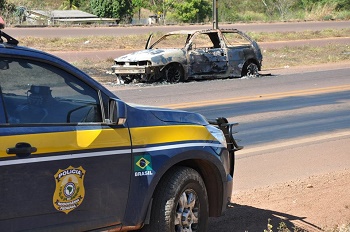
[151,78]
[125,79]
[173,73]
[180,203]
[250,70]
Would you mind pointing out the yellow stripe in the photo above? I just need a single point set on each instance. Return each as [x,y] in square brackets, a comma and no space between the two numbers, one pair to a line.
[94,139]
[68,141]
[166,134]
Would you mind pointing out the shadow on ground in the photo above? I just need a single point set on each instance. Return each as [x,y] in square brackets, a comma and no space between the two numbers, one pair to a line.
[242,218]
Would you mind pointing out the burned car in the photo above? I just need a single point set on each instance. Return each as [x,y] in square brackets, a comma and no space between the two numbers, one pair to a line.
[184,55]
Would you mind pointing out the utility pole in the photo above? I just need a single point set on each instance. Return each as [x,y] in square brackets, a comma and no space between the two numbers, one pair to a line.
[215,14]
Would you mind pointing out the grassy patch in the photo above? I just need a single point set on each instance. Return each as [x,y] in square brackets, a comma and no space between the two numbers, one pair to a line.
[305,55]
[89,43]
[290,36]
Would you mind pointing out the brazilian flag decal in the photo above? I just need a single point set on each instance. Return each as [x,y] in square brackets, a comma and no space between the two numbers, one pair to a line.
[143,165]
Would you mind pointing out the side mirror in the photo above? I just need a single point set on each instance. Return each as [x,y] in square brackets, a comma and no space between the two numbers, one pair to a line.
[2,23]
[117,112]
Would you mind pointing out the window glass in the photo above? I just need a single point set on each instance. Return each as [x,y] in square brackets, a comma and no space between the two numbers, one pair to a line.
[35,92]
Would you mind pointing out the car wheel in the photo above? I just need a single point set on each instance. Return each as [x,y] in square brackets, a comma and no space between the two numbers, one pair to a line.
[250,70]
[125,79]
[180,203]
[173,73]
[153,77]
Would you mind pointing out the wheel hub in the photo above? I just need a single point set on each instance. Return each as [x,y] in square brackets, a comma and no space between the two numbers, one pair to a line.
[187,212]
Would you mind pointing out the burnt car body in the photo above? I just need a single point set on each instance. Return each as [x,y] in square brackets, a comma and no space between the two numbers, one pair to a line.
[185,55]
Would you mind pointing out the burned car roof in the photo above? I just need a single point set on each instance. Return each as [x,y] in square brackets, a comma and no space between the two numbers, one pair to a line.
[192,54]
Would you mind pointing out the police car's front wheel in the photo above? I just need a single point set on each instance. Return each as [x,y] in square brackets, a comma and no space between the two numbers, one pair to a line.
[180,203]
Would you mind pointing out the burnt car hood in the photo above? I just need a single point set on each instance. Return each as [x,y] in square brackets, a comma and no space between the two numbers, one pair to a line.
[154,55]
[171,115]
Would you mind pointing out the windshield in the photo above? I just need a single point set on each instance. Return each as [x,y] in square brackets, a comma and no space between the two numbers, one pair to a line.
[171,41]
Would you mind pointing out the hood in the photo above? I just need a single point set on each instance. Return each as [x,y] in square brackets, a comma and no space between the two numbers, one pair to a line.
[170,115]
[153,54]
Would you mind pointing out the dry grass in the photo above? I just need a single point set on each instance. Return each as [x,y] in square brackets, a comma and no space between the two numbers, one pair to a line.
[85,43]
[305,55]
[322,11]
[289,36]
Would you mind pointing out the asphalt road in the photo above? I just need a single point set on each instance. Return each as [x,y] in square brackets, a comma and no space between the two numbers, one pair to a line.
[287,122]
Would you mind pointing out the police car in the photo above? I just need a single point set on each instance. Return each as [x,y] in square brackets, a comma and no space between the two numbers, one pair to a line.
[74,157]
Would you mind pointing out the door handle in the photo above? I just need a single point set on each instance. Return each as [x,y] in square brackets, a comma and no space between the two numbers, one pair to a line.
[21,150]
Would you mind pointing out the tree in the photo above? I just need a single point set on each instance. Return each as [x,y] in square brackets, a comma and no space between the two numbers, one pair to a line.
[192,11]
[7,10]
[161,7]
[282,6]
[121,9]
[70,5]
[21,13]
[138,5]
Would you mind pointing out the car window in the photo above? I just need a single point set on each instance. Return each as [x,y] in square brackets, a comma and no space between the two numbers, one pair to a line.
[201,41]
[171,41]
[35,92]
[233,39]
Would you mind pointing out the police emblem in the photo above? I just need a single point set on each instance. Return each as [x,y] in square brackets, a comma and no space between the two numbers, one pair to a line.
[70,191]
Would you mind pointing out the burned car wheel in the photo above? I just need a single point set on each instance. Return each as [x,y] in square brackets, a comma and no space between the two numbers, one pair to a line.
[250,70]
[173,73]
[153,77]
[180,203]
[125,79]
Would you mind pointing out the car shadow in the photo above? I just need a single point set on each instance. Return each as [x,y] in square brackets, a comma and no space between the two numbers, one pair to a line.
[245,218]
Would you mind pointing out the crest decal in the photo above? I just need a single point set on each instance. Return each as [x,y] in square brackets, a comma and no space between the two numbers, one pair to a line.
[70,191]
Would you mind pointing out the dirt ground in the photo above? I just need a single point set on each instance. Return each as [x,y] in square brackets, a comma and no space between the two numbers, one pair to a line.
[318,203]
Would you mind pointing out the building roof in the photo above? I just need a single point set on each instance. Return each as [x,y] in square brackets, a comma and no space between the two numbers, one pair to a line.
[63,14]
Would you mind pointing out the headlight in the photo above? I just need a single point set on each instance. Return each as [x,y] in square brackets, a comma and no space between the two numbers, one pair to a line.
[218,134]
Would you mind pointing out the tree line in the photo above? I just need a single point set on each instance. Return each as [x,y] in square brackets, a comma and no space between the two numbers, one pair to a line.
[189,11]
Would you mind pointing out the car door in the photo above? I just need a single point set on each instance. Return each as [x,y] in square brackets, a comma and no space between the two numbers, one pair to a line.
[206,56]
[240,50]
[61,167]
